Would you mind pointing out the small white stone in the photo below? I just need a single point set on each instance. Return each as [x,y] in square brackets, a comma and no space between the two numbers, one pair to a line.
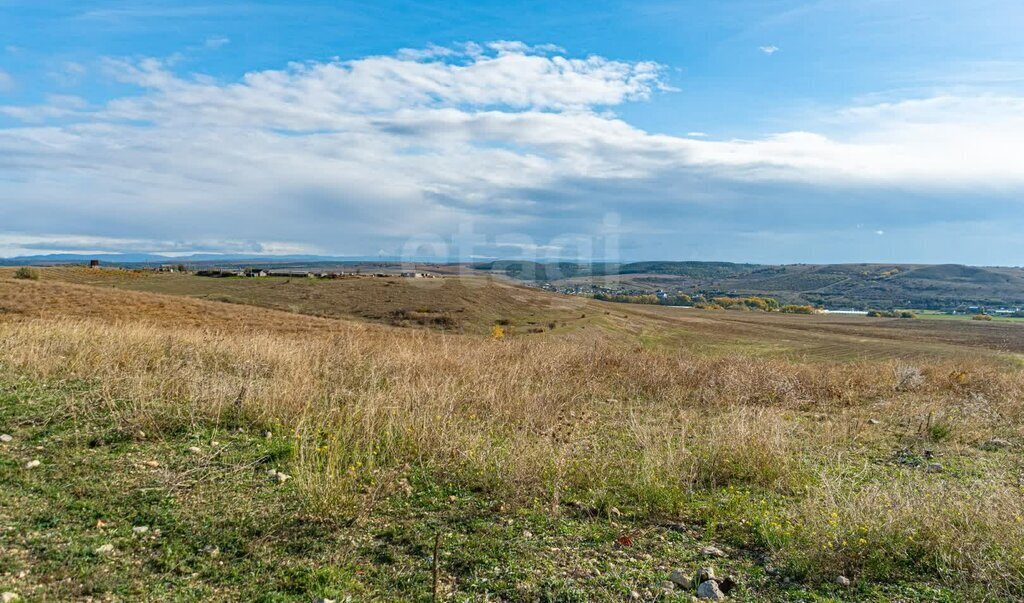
[6,438]
[281,477]
[212,551]
[32,464]
[195,449]
[140,529]
[842,581]
[9,597]
[934,468]
[712,551]
[106,549]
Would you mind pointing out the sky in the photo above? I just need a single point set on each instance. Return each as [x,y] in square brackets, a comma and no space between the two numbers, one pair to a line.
[770,131]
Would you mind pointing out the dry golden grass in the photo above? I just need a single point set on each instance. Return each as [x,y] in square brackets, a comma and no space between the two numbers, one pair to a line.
[21,300]
[597,426]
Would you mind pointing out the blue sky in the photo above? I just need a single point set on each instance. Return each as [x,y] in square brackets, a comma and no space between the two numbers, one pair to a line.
[767,131]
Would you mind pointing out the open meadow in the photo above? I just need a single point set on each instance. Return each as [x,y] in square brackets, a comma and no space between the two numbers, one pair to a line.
[168,436]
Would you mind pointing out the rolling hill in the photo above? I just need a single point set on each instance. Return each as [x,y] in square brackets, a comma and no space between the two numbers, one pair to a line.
[833,285]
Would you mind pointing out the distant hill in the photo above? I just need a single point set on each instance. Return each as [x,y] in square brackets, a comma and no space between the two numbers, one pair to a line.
[834,285]
[551,271]
[861,286]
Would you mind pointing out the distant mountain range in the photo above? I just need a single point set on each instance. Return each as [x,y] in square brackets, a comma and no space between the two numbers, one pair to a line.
[117,259]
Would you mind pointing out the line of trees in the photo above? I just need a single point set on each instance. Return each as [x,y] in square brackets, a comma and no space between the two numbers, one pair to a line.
[680,299]
[890,314]
[755,302]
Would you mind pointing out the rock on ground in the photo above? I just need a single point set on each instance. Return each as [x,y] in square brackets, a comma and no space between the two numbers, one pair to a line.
[680,579]
[712,551]
[106,549]
[6,438]
[709,590]
[842,581]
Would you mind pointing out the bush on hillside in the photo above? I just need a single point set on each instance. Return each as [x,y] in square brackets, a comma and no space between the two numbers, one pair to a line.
[27,273]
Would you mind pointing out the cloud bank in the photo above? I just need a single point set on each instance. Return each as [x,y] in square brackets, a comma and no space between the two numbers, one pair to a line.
[521,142]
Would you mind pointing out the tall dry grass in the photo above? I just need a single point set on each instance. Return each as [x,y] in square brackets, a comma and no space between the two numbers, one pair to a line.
[553,421]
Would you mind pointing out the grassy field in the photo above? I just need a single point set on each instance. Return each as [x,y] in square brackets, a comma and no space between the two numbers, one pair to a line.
[944,316]
[191,449]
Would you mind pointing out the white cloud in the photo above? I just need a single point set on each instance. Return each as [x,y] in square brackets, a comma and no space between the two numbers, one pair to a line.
[215,42]
[769,50]
[51,243]
[6,81]
[350,155]
[57,105]
[69,73]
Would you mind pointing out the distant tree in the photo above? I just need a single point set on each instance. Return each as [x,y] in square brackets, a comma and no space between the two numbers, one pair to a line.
[707,306]
[882,314]
[795,309]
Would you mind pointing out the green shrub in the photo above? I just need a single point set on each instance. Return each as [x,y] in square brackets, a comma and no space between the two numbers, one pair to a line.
[27,273]
[939,431]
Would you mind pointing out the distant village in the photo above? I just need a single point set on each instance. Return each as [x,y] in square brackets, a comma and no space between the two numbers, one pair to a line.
[263,272]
